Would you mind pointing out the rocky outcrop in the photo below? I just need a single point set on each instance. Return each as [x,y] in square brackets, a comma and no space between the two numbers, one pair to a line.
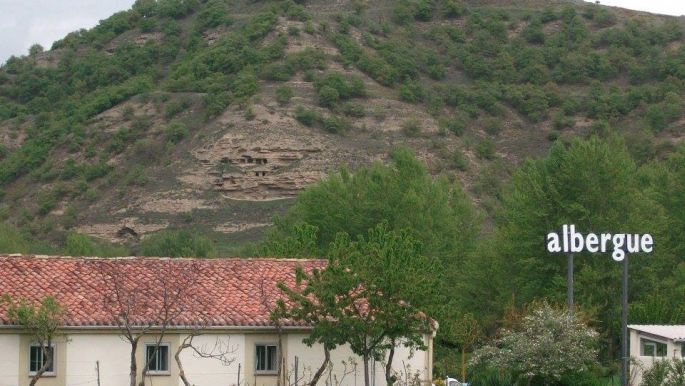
[259,172]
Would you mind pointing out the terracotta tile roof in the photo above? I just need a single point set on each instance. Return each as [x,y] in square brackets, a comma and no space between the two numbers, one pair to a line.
[211,292]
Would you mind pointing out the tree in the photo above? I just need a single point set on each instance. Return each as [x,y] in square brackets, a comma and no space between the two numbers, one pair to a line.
[35,49]
[141,307]
[593,184]
[181,243]
[403,194]
[41,322]
[550,344]
[357,300]
[221,351]
[466,333]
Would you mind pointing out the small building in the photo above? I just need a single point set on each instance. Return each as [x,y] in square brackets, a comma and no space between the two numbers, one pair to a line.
[225,305]
[651,343]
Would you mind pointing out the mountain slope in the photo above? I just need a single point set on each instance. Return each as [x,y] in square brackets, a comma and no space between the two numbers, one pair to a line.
[213,114]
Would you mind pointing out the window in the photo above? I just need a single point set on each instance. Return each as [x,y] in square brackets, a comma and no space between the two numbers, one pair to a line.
[157,358]
[37,360]
[651,348]
[267,358]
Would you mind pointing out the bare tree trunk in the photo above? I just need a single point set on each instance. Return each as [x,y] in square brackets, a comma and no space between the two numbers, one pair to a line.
[134,365]
[181,372]
[46,365]
[366,370]
[319,372]
[389,378]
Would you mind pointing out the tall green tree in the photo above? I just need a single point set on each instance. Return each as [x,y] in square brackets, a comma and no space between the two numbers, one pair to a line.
[403,194]
[372,296]
[593,184]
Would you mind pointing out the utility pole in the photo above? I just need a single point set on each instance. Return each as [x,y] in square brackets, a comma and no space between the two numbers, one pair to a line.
[569,282]
[239,365]
[625,369]
[97,370]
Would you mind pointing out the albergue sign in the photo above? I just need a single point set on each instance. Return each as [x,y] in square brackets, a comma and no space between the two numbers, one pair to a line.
[570,241]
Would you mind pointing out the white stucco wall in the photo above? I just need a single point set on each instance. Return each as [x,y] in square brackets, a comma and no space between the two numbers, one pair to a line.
[211,372]
[83,350]
[343,361]
[9,359]
[646,362]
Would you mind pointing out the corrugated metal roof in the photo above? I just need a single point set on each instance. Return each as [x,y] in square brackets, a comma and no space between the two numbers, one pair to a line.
[674,332]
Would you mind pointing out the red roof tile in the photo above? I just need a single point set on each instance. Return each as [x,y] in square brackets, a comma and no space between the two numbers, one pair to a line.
[211,292]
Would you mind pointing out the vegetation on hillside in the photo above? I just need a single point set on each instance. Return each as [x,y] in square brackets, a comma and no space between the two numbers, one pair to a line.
[594,94]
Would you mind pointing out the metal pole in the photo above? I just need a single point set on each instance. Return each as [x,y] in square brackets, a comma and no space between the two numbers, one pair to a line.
[569,282]
[239,365]
[624,325]
[97,369]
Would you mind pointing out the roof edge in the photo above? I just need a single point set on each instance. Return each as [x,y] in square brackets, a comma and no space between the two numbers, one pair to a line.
[63,257]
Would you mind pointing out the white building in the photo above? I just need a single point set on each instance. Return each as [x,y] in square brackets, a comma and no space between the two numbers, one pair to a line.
[651,343]
[234,296]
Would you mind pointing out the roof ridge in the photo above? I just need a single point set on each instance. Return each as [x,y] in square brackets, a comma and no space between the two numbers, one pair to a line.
[66,257]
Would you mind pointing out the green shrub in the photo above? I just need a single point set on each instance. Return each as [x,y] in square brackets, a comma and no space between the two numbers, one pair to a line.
[212,15]
[136,177]
[335,125]
[533,33]
[175,132]
[175,107]
[486,149]
[492,126]
[307,117]
[283,95]
[180,243]
[562,121]
[412,92]
[46,202]
[279,72]
[249,114]
[346,87]
[95,171]
[423,10]
[403,14]
[355,110]
[328,96]
[456,124]
[459,161]
[12,241]
[453,8]
[216,103]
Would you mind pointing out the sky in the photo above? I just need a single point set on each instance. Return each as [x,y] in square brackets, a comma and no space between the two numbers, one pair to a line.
[25,22]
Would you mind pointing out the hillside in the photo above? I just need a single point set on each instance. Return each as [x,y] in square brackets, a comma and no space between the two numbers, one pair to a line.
[213,115]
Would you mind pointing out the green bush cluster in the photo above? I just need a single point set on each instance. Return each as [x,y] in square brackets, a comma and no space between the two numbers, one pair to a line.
[175,132]
[177,243]
[334,87]
[332,123]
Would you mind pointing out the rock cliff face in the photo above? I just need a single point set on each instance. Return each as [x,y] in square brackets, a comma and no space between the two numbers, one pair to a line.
[244,169]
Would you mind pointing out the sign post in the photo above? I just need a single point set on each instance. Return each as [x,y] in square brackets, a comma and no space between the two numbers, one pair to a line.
[620,245]
[569,281]
[625,356]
